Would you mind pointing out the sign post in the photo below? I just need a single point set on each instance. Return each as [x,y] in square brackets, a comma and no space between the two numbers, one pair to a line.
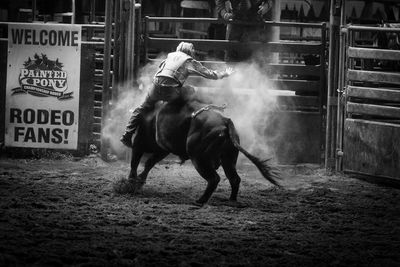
[42,92]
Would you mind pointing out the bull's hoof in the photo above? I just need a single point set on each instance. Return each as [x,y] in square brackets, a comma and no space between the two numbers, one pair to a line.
[198,203]
[137,185]
[125,186]
[141,179]
[236,204]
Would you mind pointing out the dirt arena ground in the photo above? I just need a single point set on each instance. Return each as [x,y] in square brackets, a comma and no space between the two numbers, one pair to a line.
[66,213]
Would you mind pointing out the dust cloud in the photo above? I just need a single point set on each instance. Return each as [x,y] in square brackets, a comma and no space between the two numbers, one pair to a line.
[248,92]
[130,96]
[251,97]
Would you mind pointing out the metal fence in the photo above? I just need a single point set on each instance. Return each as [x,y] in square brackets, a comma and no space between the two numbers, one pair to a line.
[369,119]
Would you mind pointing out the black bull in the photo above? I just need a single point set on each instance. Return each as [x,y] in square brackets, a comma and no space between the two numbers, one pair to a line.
[208,139]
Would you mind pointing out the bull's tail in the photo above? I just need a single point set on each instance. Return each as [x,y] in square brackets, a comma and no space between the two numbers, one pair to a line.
[270,173]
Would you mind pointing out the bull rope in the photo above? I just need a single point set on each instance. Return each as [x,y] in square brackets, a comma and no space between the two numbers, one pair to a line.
[208,107]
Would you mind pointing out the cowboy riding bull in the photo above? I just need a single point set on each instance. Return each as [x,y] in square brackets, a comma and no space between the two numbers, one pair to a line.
[187,127]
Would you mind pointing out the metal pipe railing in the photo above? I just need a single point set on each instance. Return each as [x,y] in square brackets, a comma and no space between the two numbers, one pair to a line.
[34,10]
[220,21]
[131,42]
[370,28]
[106,96]
[340,90]
[50,23]
[323,92]
[73,7]
[332,84]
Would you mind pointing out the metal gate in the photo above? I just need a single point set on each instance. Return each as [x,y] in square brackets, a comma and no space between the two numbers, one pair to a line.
[120,59]
[369,114]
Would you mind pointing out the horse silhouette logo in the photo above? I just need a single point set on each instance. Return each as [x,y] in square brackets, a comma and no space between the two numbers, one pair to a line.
[43,77]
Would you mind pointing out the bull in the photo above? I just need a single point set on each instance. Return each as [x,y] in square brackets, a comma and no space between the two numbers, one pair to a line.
[193,130]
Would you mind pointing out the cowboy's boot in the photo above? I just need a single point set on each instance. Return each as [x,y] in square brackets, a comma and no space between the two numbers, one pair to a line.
[130,129]
[126,139]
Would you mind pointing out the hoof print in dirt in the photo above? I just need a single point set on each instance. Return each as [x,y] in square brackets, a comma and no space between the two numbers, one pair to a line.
[236,204]
[126,186]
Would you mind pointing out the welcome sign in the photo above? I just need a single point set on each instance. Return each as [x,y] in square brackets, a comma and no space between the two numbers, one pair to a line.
[42,94]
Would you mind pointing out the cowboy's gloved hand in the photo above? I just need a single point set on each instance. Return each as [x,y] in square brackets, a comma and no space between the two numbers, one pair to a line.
[229,71]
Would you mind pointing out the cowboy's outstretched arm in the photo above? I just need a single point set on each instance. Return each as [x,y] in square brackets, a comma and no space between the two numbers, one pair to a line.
[196,68]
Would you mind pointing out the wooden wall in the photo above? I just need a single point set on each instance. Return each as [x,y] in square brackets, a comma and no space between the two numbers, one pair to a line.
[86,98]
[3,78]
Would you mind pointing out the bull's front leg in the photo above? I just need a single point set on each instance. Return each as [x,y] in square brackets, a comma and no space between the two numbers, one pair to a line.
[137,153]
[150,162]
[205,168]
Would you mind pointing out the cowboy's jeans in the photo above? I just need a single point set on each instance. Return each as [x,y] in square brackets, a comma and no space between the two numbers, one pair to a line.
[158,92]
